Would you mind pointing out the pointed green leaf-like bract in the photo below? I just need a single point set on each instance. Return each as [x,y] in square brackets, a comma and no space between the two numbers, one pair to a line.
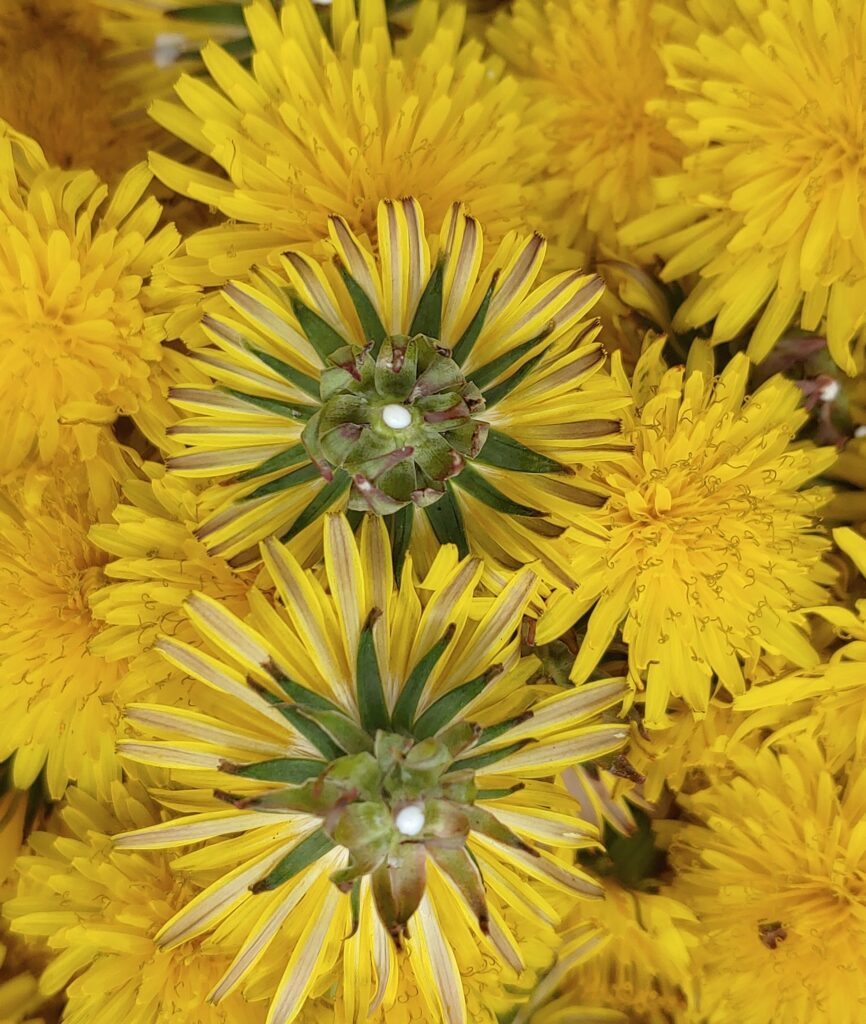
[399,526]
[428,315]
[370,323]
[447,707]
[371,696]
[507,453]
[472,481]
[483,760]
[320,504]
[301,475]
[305,383]
[505,387]
[487,373]
[460,352]
[290,457]
[313,733]
[407,702]
[290,410]
[293,770]
[320,334]
[447,522]
[302,856]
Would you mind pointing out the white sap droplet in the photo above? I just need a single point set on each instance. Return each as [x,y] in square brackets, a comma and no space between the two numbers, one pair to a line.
[397,417]
[167,47]
[829,392]
[860,431]
[410,820]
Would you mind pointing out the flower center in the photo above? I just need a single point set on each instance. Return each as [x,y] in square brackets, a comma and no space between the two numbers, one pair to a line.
[400,419]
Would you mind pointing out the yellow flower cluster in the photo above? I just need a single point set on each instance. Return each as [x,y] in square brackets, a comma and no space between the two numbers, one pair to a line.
[432,512]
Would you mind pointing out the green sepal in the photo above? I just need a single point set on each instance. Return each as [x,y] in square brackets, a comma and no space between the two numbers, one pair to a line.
[371,695]
[410,695]
[489,825]
[301,380]
[493,732]
[299,694]
[294,770]
[505,387]
[290,457]
[355,906]
[301,475]
[320,504]
[498,794]
[464,873]
[473,482]
[371,325]
[216,14]
[447,707]
[487,373]
[288,410]
[460,352]
[399,525]
[302,856]
[311,732]
[507,453]
[447,522]
[428,315]
[341,729]
[491,757]
[320,334]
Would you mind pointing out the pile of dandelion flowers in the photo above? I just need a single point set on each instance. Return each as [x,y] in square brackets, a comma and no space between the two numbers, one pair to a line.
[415,386]
[766,209]
[715,546]
[318,127]
[375,719]
[78,338]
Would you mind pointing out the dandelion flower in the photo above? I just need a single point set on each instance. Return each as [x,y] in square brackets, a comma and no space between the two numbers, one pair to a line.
[99,910]
[771,863]
[714,543]
[412,386]
[52,50]
[78,335]
[56,696]
[153,562]
[826,701]
[594,67]
[388,757]
[766,210]
[326,125]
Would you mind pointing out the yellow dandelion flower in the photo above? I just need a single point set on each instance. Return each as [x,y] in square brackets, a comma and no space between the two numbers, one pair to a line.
[78,335]
[771,863]
[20,999]
[321,126]
[153,562]
[714,544]
[56,696]
[641,972]
[55,50]
[639,965]
[388,756]
[827,701]
[99,909]
[594,67]
[411,381]
[766,209]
